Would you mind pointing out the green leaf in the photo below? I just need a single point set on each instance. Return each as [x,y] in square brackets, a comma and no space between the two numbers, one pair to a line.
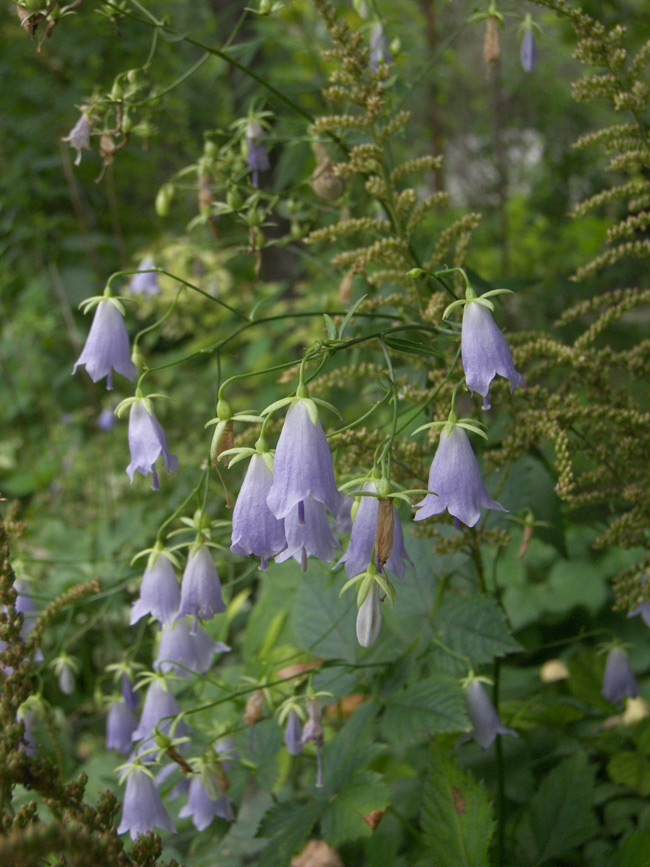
[630,769]
[343,818]
[412,347]
[561,816]
[474,627]
[324,624]
[434,705]
[456,815]
[635,852]
[331,328]
[350,314]
[287,826]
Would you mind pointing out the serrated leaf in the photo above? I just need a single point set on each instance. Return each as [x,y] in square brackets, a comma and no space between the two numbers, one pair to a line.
[287,826]
[434,705]
[324,624]
[630,769]
[474,627]
[343,818]
[561,817]
[456,815]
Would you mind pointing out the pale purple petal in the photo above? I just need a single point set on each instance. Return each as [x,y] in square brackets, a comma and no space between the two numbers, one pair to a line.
[618,680]
[79,137]
[485,351]
[293,734]
[160,593]
[528,54]
[200,806]
[343,522]
[644,610]
[181,649]
[145,283]
[302,466]
[159,709]
[143,808]
[311,538]
[106,420]
[255,529]
[201,588]
[128,693]
[483,716]
[456,479]
[120,725]
[107,346]
[147,443]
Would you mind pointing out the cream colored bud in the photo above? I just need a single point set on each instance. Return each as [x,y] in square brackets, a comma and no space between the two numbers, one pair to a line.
[553,670]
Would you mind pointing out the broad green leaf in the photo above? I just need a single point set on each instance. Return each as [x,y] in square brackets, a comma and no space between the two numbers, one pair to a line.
[561,816]
[323,623]
[434,705]
[240,843]
[456,815]
[474,627]
[630,769]
[343,818]
[635,852]
[287,826]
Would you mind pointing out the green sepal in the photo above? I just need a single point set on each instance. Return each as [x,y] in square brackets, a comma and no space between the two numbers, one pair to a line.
[351,582]
[331,327]
[350,314]
[278,404]
[431,424]
[327,405]
[473,428]
[454,304]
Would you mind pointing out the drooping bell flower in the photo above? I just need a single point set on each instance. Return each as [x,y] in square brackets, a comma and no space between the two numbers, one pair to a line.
[483,715]
[314,732]
[362,539]
[528,54]
[201,808]
[145,281]
[107,345]
[456,479]
[369,618]
[293,734]
[143,808]
[184,651]
[159,709]
[255,529]
[128,693]
[160,594]
[618,680]
[308,534]
[79,137]
[303,463]
[484,349]
[379,52]
[201,588]
[643,608]
[343,522]
[147,441]
[257,155]
[120,725]
[106,420]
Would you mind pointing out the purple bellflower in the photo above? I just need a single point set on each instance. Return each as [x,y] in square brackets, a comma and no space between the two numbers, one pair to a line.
[107,345]
[145,281]
[143,807]
[484,349]
[257,155]
[201,588]
[644,610]
[483,715]
[303,464]
[184,651]
[202,808]
[160,593]
[159,709]
[456,479]
[106,420]
[362,540]
[147,442]
[528,54]
[379,52]
[310,537]
[293,734]
[255,529]
[79,137]
[120,725]
[313,731]
[618,680]
[343,522]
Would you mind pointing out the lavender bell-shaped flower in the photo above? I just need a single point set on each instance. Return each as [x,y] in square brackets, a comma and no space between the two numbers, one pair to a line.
[485,351]
[255,529]
[308,534]
[160,593]
[145,281]
[143,808]
[379,52]
[106,420]
[107,345]
[528,54]
[120,725]
[618,680]
[79,137]
[159,709]
[483,715]
[456,479]
[201,808]
[313,731]
[293,734]
[644,610]
[362,539]
[128,693]
[303,464]
[147,442]
[184,651]
[343,522]
[201,588]
[257,155]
